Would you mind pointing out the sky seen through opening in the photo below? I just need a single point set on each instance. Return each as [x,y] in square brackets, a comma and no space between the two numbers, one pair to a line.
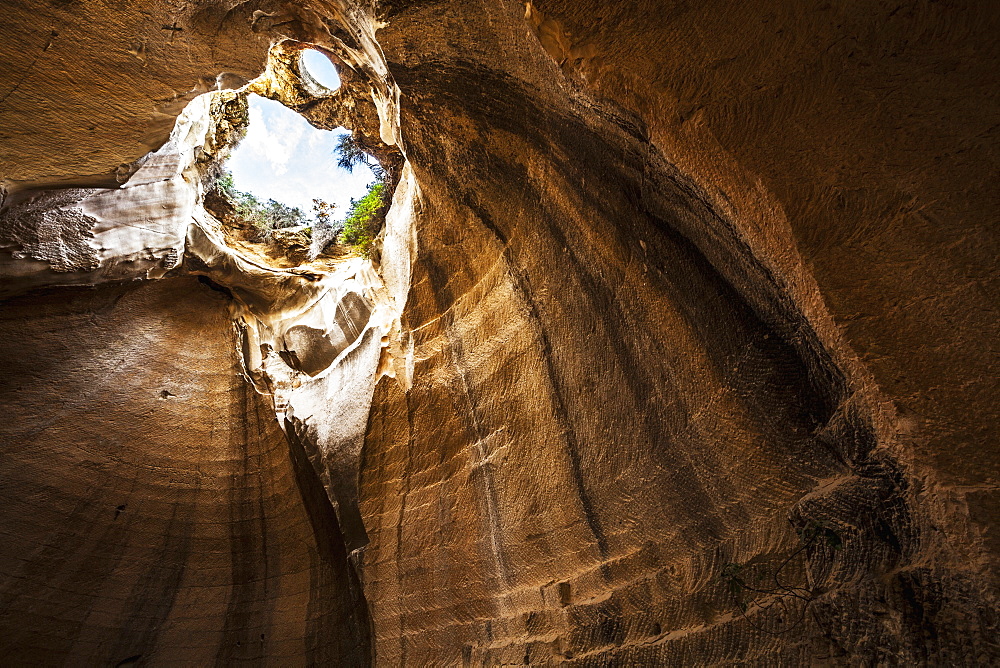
[284,158]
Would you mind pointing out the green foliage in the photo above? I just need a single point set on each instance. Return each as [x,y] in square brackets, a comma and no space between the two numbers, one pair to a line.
[265,217]
[225,184]
[361,223]
[364,219]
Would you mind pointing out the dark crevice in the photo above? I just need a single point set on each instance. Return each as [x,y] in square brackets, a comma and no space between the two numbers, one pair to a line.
[212,285]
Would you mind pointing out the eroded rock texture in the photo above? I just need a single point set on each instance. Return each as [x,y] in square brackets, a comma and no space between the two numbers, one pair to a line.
[635,381]
[153,510]
[679,348]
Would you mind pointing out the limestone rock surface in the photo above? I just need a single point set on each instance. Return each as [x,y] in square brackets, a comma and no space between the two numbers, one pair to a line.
[153,510]
[678,346]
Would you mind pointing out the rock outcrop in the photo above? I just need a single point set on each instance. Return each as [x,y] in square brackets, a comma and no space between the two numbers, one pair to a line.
[678,347]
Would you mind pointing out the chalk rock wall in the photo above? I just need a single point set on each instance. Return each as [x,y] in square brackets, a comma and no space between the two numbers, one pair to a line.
[232,505]
[632,405]
[679,348]
[153,510]
[136,231]
[113,77]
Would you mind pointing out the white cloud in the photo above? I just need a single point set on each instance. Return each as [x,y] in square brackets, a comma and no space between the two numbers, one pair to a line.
[285,158]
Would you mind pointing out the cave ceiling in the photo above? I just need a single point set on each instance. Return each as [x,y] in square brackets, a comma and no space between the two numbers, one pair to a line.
[675,342]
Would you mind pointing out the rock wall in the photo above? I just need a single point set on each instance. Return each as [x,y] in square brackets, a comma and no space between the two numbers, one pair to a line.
[90,88]
[627,379]
[153,510]
[681,350]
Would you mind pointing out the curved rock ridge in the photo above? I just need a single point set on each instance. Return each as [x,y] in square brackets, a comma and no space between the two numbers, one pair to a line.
[102,234]
[677,348]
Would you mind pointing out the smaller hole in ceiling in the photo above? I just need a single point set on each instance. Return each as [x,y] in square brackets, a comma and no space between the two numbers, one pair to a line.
[320,68]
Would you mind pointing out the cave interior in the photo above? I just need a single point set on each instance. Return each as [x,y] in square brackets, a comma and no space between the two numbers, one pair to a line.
[672,341]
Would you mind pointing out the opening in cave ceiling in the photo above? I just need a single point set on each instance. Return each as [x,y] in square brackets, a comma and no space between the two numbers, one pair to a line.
[319,68]
[286,159]
[287,175]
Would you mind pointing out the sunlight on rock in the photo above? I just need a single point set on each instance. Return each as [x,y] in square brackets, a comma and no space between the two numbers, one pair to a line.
[612,333]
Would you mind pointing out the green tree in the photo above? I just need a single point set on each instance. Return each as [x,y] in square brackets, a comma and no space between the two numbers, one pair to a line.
[265,217]
[364,219]
[226,185]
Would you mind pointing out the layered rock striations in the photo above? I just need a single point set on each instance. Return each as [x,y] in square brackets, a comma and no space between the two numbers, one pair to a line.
[677,347]
[153,510]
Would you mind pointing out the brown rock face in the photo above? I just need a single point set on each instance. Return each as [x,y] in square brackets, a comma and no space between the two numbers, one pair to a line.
[114,75]
[153,510]
[680,349]
[631,408]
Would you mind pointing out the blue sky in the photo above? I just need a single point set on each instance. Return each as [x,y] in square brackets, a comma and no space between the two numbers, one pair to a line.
[320,67]
[285,158]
